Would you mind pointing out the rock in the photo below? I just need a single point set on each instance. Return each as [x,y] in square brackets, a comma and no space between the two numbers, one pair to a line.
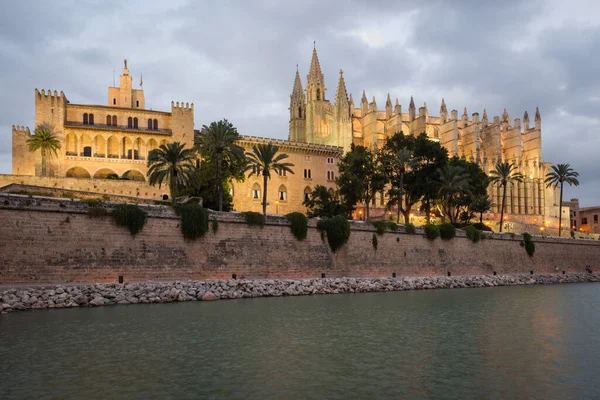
[209,296]
[19,306]
[98,301]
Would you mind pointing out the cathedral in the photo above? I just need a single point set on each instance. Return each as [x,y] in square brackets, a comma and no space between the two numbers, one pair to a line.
[314,119]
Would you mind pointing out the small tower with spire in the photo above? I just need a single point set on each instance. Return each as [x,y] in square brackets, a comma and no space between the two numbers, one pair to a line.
[538,119]
[526,122]
[342,120]
[443,111]
[315,84]
[125,95]
[411,109]
[297,111]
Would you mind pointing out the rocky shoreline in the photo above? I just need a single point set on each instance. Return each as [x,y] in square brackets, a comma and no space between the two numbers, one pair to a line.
[94,295]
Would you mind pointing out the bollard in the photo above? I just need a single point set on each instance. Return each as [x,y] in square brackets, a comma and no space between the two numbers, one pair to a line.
[393,274]
[323,276]
[494,273]
[531,272]
[449,273]
[233,276]
[120,278]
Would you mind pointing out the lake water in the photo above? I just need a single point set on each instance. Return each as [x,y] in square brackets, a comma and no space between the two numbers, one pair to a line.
[538,342]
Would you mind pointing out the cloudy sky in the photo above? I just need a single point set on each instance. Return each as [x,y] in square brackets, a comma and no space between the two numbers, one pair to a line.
[237,60]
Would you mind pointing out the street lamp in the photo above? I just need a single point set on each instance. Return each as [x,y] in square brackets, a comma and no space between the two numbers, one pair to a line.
[276,206]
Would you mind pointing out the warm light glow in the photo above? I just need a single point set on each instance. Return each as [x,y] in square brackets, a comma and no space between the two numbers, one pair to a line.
[541,228]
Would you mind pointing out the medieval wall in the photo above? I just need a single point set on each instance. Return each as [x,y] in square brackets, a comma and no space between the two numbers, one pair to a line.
[44,241]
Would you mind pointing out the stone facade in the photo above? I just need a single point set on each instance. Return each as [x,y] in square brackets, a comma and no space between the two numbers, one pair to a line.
[51,240]
[586,219]
[314,119]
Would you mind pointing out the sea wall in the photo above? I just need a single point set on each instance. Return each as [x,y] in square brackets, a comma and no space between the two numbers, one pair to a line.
[49,240]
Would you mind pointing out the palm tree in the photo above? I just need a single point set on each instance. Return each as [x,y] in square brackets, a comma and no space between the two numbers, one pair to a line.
[481,203]
[403,159]
[560,174]
[217,141]
[452,180]
[262,160]
[45,140]
[505,174]
[173,163]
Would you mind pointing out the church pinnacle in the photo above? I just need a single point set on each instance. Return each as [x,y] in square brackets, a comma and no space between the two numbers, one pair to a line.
[297,91]
[315,85]
[341,95]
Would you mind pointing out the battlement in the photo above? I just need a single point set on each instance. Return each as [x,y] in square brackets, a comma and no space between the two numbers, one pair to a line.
[21,130]
[49,94]
[182,106]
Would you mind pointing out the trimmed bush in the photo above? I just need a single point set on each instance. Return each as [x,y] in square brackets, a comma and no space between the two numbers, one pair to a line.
[215,226]
[432,231]
[527,237]
[374,241]
[298,224]
[337,229]
[529,245]
[392,226]
[397,238]
[131,216]
[473,233]
[194,220]
[447,231]
[482,227]
[410,229]
[379,226]
[254,218]
[97,212]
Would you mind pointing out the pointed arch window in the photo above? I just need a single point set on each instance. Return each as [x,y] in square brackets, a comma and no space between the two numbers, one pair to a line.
[155,124]
[114,120]
[307,193]
[299,112]
[318,93]
[256,191]
[91,119]
[114,101]
[85,119]
[108,120]
[135,123]
[149,123]
[282,193]
[130,122]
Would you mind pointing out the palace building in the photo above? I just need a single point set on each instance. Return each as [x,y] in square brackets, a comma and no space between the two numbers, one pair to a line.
[114,140]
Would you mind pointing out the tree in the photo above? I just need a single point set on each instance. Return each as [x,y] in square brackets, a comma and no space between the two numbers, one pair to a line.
[478,185]
[324,203]
[360,177]
[262,160]
[217,142]
[171,162]
[481,203]
[397,158]
[505,174]
[452,181]
[205,184]
[560,174]
[44,139]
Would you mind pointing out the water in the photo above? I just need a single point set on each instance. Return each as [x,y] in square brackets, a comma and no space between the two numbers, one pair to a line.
[499,343]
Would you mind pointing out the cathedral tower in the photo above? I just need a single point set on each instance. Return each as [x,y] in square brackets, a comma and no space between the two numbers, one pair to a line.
[317,128]
[297,112]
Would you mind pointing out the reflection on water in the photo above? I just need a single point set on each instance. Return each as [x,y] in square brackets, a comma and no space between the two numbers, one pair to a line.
[498,343]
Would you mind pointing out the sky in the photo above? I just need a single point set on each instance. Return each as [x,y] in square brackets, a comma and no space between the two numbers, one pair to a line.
[237,60]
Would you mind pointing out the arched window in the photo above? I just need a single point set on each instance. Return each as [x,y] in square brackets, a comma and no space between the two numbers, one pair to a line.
[155,124]
[256,191]
[91,119]
[114,122]
[318,94]
[129,122]
[149,123]
[282,194]
[137,103]
[114,101]
[85,118]
[108,120]
[299,112]
[135,123]
[307,192]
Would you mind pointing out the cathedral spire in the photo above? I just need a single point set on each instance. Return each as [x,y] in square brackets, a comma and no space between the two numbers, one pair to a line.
[485,117]
[341,95]
[538,119]
[388,106]
[297,91]
[315,85]
[505,117]
[411,109]
[443,109]
[397,107]
[351,101]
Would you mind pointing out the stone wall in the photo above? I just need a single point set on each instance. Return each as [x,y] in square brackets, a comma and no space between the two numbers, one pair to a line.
[47,240]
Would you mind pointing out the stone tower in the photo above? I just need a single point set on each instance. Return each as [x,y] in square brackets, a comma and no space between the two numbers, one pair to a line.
[316,105]
[297,111]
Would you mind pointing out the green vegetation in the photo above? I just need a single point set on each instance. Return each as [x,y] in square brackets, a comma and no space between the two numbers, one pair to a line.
[215,226]
[172,163]
[337,229]
[432,231]
[323,202]
[254,218]
[262,161]
[560,174]
[381,226]
[410,229]
[505,174]
[447,231]
[473,233]
[92,202]
[131,216]
[216,144]
[194,220]
[529,245]
[374,241]
[44,139]
[482,227]
[298,224]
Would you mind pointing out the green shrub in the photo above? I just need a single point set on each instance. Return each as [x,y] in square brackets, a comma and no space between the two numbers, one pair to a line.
[298,224]
[67,195]
[410,229]
[529,245]
[254,218]
[92,202]
[473,233]
[131,216]
[374,241]
[573,235]
[432,231]
[215,226]
[447,231]
[482,227]
[526,237]
[337,229]
[392,226]
[194,220]
[397,238]
[379,226]
[97,212]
